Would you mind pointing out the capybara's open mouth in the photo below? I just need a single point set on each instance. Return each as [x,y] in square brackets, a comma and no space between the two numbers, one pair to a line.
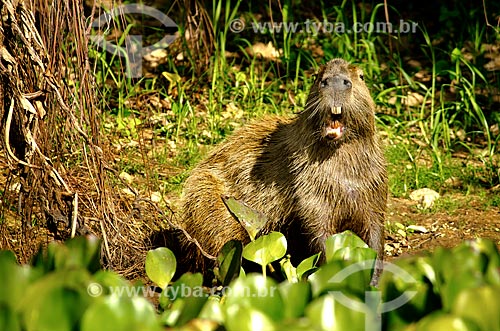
[334,128]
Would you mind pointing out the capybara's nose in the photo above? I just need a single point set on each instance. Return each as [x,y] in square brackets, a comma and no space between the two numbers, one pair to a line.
[338,82]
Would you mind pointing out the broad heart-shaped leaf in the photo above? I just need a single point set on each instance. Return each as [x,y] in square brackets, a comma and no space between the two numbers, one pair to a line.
[45,259]
[255,292]
[442,321]
[107,279]
[212,310]
[239,318]
[160,266]
[460,268]
[489,249]
[84,252]
[266,249]
[336,244]
[186,286]
[120,314]
[184,310]
[60,309]
[480,305]
[229,260]
[356,254]
[13,280]
[414,283]
[341,275]
[77,252]
[9,319]
[13,283]
[307,266]
[296,296]
[8,257]
[252,220]
[56,301]
[328,313]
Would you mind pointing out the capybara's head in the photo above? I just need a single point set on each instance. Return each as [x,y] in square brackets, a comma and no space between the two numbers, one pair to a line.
[339,106]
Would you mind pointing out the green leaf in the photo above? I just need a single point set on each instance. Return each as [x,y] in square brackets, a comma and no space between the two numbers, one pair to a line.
[456,55]
[308,266]
[295,296]
[187,285]
[266,249]
[488,249]
[107,279]
[13,280]
[288,269]
[460,268]
[83,252]
[184,310]
[302,324]
[425,270]
[340,245]
[9,319]
[212,310]
[171,315]
[327,313]
[56,301]
[229,260]
[60,309]
[192,309]
[416,290]
[44,260]
[442,321]
[120,314]
[239,318]
[184,300]
[8,257]
[480,305]
[356,254]
[339,276]
[78,252]
[160,266]
[252,220]
[255,292]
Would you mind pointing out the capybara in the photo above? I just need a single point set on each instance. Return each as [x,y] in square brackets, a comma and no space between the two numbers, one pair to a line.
[313,175]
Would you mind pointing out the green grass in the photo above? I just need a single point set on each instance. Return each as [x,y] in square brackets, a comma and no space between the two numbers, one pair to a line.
[236,89]
[493,201]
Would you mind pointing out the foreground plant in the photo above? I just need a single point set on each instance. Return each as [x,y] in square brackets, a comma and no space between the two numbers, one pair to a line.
[64,288]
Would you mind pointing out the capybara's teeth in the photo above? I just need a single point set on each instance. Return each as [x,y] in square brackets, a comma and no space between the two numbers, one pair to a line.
[336,110]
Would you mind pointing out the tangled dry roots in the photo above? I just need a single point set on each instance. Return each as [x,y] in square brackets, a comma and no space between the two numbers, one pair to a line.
[58,182]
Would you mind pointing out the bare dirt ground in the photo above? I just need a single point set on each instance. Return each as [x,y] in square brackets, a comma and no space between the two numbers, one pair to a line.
[441,228]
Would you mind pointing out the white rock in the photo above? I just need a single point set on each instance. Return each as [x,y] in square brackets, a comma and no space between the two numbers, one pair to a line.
[156,197]
[126,177]
[425,197]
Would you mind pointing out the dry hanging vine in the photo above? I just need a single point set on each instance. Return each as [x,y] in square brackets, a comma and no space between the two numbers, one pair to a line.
[53,153]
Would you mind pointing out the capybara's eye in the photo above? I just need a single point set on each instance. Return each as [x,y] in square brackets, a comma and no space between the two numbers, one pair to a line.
[361,76]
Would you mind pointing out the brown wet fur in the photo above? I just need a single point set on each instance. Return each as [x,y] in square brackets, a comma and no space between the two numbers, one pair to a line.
[309,185]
